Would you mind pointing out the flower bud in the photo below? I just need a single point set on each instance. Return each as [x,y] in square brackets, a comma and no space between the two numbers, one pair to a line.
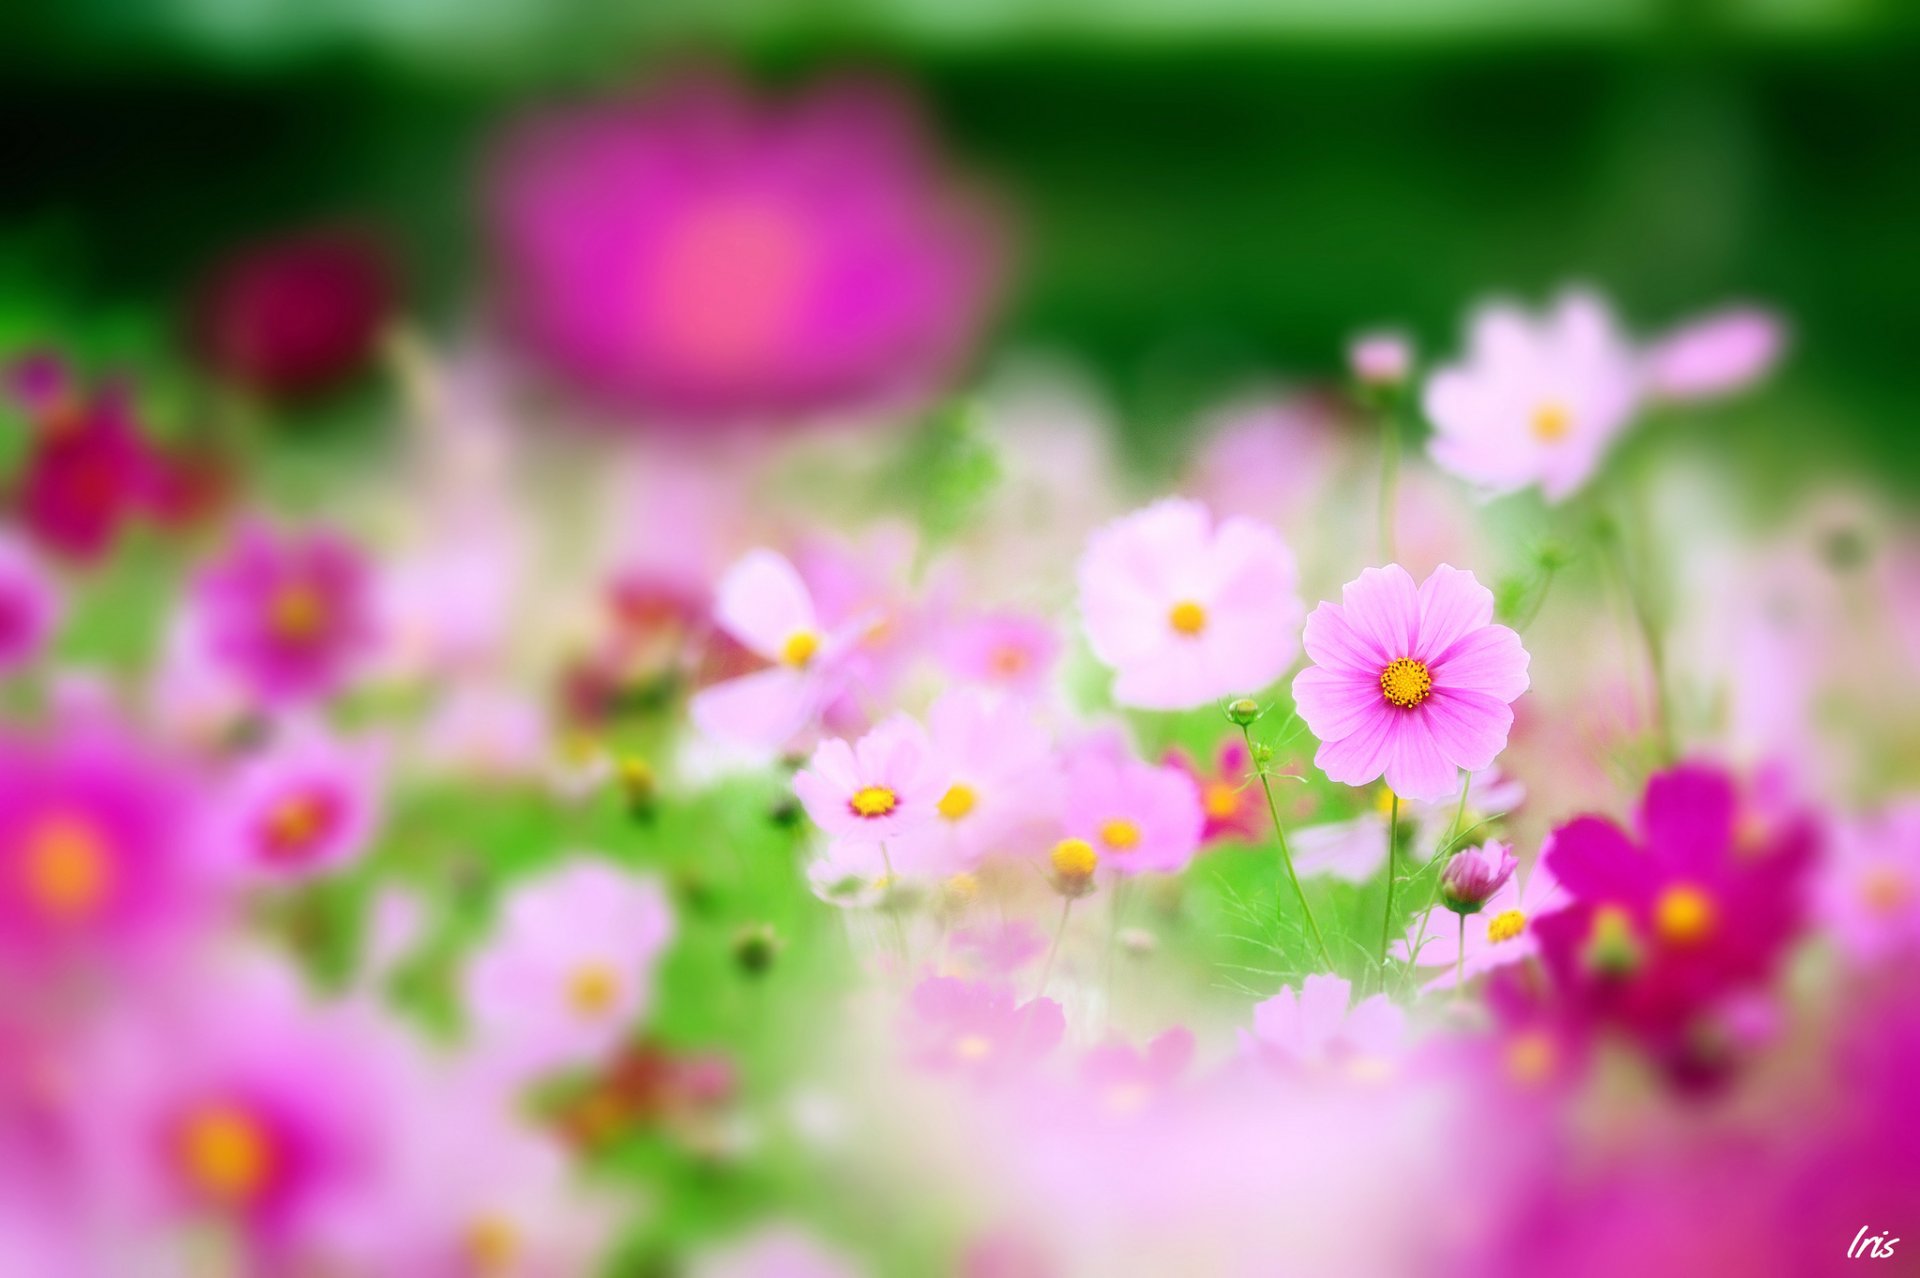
[1244,711]
[1474,875]
[1381,358]
[755,947]
[1074,862]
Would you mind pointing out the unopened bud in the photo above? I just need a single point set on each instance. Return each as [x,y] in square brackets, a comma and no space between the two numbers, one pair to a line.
[1474,875]
[1074,862]
[1381,358]
[755,947]
[1244,711]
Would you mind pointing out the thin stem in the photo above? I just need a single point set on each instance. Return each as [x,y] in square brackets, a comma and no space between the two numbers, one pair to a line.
[1386,919]
[1286,857]
[1460,962]
[1389,475]
[1053,951]
[899,928]
[1539,598]
[1454,834]
[1649,628]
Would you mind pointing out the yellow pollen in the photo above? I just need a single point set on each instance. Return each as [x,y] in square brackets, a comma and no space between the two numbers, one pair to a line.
[293,824]
[1221,800]
[68,868]
[1683,915]
[1886,889]
[1506,925]
[592,989]
[1551,422]
[226,1153]
[956,802]
[1530,1056]
[1188,617]
[493,1244]
[297,612]
[873,801]
[1074,859]
[799,649]
[1120,834]
[1405,682]
[973,1047]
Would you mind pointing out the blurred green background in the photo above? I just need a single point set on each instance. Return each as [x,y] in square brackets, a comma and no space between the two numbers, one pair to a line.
[1207,189]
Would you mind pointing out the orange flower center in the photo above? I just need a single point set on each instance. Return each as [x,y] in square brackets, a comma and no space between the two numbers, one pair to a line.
[297,612]
[873,801]
[592,989]
[68,867]
[1405,682]
[1506,925]
[1187,617]
[1551,422]
[1120,834]
[1684,915]
[226,1153]
[957,801]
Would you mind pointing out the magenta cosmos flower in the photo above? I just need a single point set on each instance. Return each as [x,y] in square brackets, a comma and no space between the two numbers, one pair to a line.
[1137,817]
[290,614]
[1411,683]
[569,968]
[1535,401]
[883,786]
[702,256]
[307,807]
[1186,612]
[1230,796]
[763,605]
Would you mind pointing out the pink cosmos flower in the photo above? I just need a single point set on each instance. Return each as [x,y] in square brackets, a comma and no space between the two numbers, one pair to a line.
[1230,795]
[1004,651]
[762,604]
[89,470]
[29,605]
[705,257]
[1869,891]
[1312,1029]
[999,786]
[882,787]
[1474,874]
[290,613]
[1412,684]
[1534,401]
[304,808]
[999,949]
[1381,358]
[1128,1079]
[1500,935]
[1186,612]
[569,968]
[1272,455]
[1715,355]
[1139,818]
[977,1028]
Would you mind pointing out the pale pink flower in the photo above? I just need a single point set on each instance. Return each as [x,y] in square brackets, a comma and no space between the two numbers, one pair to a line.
[29,604]
[978,1028]
[306,807]
[1869,895]
[1411,683]
[1534,401]
[1005,651]
[999,787]
[1271,455]
[1139,818]
[763,605]
[774,1251]
[1313,1029]
[883,786]
[1500,935]
[1381,358]
[1186,612]
[569,968]
[1715,355]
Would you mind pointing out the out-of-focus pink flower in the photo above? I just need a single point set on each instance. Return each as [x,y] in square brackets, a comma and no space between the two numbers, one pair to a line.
[1185,612]
[1412,684]
[762,604]
[89,469]
[1472,875]
[1230,798]
[978,1029]
[1270,457]
[774,1251]
[1869,892]
[29,605]
[305,808]
[569,969]
[1000,789]
[289,613]
[1499,935]
[295,316]
[1658,932]
[1127,1079]
[704,257]
[1313,1030]
[1005,651]
[1715,355]
[1138,817]
[1535,401]
[1381,358]
[883,786]
[1000,949]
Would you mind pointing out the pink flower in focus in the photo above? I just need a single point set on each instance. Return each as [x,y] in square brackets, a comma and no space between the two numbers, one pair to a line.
[1716,355]
[1499,935]
[1230,796]
[569,968]
[1185,612]
[1313,1030]
[1412,684]
[29,605]
[1004,651]
[762,604]
[704,257]
[289,613]
[883,786]
[1534,401]
[999,787]
[305,808]
[978,1029]
[1869,891]
[1138,817]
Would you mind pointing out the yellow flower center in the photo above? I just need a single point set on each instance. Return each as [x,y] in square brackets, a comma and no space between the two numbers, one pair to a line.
[1405,682]
[592,989]
[1221,800]
[1187,617]
[873,801]
[493,1244]
[294,824]
[1506,925]
[226,1153]
[1008,661]
[1120,834]
[956,802]
[68,867]
[799,649]
[1886,889]
[963,888]
[1551,422]
[297,612]
[1683,915]
[973,1047]
[1074,859]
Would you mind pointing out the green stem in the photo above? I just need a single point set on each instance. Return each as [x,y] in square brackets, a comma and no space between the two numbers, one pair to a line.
[1650,637]
[1446,846]
[1286,857]
[1053,951]
[1539,599]
[1460,962]
[1389,476]
[1386,919]
[886,903]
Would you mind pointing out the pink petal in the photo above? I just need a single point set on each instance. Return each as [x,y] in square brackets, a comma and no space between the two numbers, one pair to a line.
[1383,605]
[762,709]
[1490,660]
[762,602]
[1416,769]
[1331,640]
[1359,758]
[1469,727]
[1335,703]
[1452,603]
